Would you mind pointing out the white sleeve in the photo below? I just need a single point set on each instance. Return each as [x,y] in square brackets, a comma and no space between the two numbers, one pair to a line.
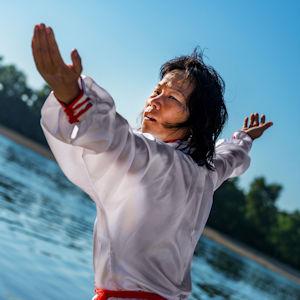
[98,150]
[231,157]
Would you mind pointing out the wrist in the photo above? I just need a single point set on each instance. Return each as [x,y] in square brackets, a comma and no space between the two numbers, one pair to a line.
[67,94]
[249,135]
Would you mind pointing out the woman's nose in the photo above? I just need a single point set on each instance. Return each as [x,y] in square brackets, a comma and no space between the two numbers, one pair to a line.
[155,102]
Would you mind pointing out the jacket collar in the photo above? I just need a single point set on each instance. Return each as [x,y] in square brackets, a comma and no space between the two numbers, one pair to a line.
[177,144]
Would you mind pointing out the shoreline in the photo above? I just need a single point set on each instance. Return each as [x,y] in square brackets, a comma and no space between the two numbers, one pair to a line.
[253,254]
[225,240]
[24,141]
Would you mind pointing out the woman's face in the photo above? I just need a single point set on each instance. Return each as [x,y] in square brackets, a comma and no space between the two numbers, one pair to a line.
[167,105]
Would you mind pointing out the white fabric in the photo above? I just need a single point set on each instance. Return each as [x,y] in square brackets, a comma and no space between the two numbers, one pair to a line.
[152,200]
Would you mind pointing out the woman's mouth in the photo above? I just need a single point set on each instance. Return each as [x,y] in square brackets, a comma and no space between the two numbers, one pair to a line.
[149,119]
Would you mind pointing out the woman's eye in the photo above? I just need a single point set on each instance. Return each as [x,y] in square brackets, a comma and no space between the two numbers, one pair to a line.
[157,92]
[173,98]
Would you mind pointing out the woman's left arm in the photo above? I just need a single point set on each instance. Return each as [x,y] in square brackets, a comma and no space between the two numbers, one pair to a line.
[232,155]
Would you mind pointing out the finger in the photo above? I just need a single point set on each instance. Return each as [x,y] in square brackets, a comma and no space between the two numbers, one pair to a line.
[267,125]
[54,50]
[263,119]
[246,122]
[252,119]
[45,51]
[36,49]
[256,120]
[76,59]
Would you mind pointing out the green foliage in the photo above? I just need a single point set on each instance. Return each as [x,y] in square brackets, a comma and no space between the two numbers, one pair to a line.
[20,105]
[261,212]
[285,237]
[41,95]
[228,210]
[254,219]
[260,207]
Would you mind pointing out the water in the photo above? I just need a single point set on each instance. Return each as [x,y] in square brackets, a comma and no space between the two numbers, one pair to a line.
[46,241]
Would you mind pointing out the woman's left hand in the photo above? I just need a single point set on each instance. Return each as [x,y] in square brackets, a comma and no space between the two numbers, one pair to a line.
[256,128]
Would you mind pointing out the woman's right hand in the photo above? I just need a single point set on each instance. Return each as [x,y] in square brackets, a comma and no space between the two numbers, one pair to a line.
[62,78]
[256,128]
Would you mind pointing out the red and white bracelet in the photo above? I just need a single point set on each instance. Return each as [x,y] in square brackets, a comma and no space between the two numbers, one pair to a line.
[76,107]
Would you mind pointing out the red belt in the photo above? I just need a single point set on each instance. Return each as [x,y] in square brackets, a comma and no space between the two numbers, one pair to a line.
[105,294]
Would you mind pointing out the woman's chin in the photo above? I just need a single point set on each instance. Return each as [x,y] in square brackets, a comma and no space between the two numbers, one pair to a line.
[147,128]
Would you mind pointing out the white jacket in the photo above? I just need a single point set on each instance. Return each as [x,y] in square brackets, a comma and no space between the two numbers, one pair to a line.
[152,200]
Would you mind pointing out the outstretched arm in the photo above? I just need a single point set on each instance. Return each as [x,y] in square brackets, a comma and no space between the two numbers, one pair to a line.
[231,155]
[101,153]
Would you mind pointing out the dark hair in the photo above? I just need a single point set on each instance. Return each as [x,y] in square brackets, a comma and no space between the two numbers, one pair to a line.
[208,113]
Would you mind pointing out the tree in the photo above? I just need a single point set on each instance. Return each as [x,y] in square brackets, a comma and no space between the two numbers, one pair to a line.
[285,237]
[20,104]
[40,97]
[261,212]
[228,210]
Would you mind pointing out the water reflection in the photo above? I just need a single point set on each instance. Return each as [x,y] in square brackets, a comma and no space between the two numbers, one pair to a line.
[212,291]
[218,272]
[46,235]
[46,227]
[221,260]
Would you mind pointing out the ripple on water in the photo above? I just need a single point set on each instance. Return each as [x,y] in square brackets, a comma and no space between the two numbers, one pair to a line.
[46,241]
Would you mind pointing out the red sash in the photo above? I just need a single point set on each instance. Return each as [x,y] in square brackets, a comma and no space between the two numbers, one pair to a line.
[105,294]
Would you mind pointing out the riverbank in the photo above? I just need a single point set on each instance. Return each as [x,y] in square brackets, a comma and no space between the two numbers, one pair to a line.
[212,234]
[245,250]
[20,139]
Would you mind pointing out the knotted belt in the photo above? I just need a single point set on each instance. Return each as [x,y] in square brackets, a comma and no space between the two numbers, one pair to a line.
[102,294]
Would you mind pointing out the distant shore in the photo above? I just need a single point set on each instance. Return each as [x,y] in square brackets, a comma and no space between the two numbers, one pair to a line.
[259,257]
[210,233]
[24,141]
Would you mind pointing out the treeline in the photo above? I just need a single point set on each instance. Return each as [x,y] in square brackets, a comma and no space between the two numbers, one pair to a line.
[252,217]
[21,105]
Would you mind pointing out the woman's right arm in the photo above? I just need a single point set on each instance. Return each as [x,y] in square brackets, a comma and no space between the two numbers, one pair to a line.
[93,144]
[100,149]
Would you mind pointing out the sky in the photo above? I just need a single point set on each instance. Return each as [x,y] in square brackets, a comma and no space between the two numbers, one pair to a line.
[254,46]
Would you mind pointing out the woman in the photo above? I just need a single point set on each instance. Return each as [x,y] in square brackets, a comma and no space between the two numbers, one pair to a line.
[153,187]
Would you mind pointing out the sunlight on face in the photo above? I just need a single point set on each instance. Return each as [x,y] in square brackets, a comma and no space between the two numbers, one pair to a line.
[167,105]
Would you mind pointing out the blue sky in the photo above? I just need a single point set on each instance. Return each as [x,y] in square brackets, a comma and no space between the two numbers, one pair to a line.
[255,46]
